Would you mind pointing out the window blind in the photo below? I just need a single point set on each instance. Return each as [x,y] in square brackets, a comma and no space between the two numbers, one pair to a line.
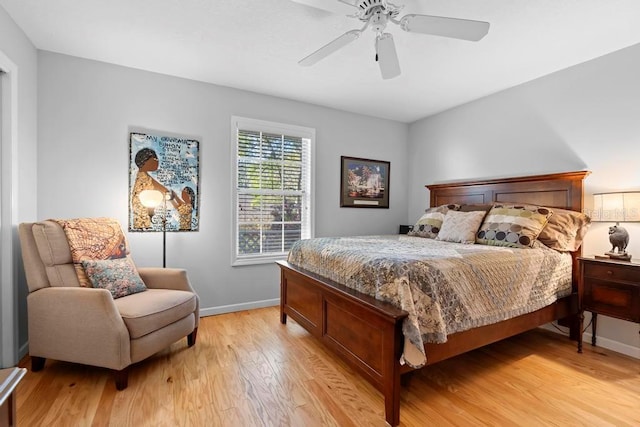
[273,191]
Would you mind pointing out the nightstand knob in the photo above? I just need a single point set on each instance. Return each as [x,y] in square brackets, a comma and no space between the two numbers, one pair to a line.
[609,272]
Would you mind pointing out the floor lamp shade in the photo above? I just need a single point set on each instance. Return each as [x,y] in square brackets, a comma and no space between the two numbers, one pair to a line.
[151,198]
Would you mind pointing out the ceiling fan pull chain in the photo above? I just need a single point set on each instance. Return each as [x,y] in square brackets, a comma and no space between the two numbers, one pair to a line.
[375,46]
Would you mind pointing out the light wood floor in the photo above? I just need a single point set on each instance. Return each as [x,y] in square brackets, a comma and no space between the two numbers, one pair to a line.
[247,369]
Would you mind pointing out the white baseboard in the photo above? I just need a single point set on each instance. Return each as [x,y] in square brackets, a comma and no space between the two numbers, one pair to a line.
[616,346]
[212,311]
[607,343]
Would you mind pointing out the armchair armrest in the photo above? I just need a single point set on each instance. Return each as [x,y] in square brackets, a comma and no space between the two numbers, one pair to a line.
[165,278]
[169,278]
[80,325]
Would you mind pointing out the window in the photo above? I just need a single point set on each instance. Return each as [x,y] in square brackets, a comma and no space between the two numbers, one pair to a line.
[273,189]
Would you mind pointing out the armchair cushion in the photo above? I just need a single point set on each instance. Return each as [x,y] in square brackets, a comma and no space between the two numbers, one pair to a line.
[52,250]
[154,309]
[119,276]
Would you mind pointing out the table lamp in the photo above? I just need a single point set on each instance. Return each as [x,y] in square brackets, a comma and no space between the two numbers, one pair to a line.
[617,207]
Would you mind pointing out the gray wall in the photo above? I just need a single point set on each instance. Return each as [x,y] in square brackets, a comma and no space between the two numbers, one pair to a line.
[18,196]
[87,108]
[584,117]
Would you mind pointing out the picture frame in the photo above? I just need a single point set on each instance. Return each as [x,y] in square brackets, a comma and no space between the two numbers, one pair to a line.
[364,183]
[170,164]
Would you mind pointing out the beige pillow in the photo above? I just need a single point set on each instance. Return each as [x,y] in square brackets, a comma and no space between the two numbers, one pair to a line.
[565,230]
[461,227]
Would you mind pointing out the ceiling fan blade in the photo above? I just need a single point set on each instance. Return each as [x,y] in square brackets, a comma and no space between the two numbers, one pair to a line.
[464,29]
[387,57]
[338,7]
[330,47]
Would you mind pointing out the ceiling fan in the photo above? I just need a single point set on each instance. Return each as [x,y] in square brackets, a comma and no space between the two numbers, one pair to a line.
[376,14]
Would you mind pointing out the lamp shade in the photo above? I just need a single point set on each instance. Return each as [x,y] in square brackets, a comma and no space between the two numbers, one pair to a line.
[151,198]
[616,207]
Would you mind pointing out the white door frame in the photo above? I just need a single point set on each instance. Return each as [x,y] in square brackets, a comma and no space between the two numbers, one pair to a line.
[8,211]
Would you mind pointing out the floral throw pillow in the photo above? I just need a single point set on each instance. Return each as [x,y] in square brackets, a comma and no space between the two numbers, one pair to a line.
[93,238]
[119,276]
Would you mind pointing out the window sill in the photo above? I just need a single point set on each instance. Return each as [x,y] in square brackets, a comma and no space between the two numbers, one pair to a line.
[255,260]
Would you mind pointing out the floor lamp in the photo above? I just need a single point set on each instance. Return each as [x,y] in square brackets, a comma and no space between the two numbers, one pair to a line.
[151,199]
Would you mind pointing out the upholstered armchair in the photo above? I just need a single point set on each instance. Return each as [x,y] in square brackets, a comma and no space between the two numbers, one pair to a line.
[75,323]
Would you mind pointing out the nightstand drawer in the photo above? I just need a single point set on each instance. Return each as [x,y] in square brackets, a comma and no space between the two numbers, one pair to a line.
[606,271]
[613,299]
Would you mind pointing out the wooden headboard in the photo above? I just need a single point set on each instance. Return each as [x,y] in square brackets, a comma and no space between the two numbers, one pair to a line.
[558,190]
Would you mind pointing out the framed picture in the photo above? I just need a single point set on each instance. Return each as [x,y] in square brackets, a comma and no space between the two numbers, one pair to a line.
[170,165]
[364,183]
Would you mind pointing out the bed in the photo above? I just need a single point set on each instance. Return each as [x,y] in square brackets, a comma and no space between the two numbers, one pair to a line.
[367,333]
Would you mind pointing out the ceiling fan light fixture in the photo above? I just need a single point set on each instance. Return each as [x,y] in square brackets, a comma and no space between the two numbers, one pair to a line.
[366,8]
[378,21]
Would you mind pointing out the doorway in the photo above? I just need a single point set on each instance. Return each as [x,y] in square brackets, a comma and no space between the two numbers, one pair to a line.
[8,299]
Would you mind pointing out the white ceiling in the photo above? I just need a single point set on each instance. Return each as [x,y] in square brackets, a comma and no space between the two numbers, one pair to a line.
[256,44]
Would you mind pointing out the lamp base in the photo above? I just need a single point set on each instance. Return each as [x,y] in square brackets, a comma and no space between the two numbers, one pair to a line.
[619,256]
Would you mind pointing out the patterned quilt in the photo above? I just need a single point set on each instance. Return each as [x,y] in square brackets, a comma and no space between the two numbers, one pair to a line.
[445,287]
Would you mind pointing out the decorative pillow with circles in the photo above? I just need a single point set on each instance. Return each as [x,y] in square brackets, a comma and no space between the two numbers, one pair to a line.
[513,225]
[429,224]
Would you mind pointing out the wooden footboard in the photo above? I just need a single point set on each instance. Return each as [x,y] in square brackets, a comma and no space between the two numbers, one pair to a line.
[364,332]
[367,333]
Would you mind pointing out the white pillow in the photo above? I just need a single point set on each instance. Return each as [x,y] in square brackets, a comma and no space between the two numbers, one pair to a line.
[460,227]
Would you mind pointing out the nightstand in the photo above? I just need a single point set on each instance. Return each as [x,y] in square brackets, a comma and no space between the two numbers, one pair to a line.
[608,287]
[404,229]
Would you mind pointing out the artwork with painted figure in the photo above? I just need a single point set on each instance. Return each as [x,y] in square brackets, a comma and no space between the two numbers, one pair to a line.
[169,165]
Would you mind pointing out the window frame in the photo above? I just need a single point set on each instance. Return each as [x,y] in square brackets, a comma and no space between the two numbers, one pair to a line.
[249,124]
